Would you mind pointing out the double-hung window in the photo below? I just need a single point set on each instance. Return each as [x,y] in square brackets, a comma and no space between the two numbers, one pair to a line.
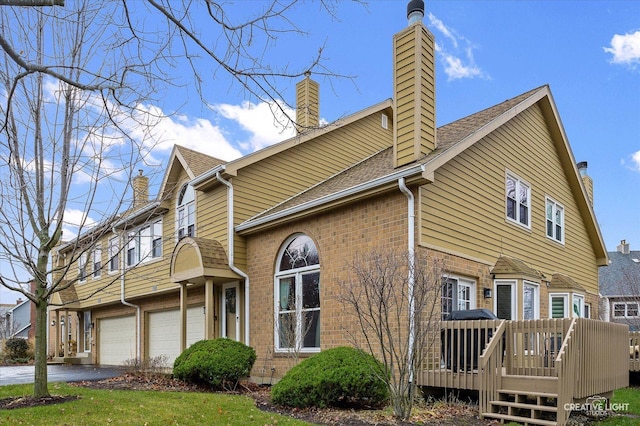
[186,212]
[145,244]
[82,267]
[555,221]
[132,248]
[297,297]
[518,200]
[458,294]
[530,298]
[114,254]
[97,261]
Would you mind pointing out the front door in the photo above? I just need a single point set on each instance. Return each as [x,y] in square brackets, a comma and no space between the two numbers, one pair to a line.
[230,311]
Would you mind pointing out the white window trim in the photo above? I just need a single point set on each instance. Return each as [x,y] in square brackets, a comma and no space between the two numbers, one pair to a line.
[184,210]
[556,205]
[466,282]
[296,273]
[114,245]
[134,237]
[514,298]
[565,296]
[579,297]
[536,298]
[297,279]
[626,309]
[83,259]
[96,274]
[519,181]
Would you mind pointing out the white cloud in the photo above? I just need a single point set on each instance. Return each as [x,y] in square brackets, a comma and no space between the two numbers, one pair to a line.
[456,51]
[635,158]
[625,48]
[76,221]
[265,123]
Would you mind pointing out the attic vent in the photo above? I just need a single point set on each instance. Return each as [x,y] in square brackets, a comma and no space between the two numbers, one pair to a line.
[385,121]
[636,260]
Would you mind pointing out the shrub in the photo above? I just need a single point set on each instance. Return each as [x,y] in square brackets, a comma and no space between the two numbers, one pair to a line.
[218,363]
[335,377]
[16,348]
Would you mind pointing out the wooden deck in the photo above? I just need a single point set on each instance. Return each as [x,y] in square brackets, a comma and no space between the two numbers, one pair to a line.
[528,371]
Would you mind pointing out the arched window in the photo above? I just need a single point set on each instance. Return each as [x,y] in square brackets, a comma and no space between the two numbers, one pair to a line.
[297,296]
[186,212]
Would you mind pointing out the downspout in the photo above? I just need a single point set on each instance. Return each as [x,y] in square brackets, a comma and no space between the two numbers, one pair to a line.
[411,218]
[124,302]
[231,256]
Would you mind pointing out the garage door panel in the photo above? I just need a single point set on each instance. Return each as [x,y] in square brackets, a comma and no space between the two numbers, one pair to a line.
[195,324]
[116,340]
[164,335]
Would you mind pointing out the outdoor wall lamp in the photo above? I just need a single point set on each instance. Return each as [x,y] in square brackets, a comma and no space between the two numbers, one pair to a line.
[487,293]
[53,323]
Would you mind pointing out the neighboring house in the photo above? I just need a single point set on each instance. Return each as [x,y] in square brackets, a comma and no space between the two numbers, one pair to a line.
[496,196]
[620,287]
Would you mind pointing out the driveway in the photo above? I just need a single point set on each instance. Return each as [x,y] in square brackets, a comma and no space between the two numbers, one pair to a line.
[19,374]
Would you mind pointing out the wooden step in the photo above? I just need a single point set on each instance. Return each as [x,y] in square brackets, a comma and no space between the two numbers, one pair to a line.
[529,383]
[549,408]
[524,420]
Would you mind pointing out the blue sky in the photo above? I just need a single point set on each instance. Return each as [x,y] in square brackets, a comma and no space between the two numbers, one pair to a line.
[488,51]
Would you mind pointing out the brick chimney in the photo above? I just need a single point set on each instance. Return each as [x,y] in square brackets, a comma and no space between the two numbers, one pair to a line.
[140,190]
[624,247]
[586,180]
[307,104]
[414,89]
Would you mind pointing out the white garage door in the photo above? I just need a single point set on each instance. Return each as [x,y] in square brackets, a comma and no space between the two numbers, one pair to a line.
[164,335]
[116,340]
[195,325]
[164,332]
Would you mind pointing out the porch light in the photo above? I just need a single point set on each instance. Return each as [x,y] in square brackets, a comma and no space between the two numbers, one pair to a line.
[487,293]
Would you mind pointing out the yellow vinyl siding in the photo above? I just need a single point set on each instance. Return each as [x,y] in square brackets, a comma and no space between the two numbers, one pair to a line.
[276,178]
[414,93]
[211,214]
[463,211]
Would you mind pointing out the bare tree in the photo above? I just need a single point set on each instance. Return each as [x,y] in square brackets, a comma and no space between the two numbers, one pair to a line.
[395,297]
[293,331]
[64,142]
[76,85]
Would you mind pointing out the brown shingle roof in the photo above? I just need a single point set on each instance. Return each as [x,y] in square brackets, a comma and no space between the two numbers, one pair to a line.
[512,266]
[560,281]
[68,295]
[197,161]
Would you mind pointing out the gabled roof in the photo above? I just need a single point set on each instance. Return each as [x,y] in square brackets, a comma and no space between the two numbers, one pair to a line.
[378,172]
[622,276]
[194,163]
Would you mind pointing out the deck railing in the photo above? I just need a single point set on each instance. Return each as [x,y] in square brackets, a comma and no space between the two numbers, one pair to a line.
[565,366]
[455,353]
[491,368]
[585,355]
[602,354]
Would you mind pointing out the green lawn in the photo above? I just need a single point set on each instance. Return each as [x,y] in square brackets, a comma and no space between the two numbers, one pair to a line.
[125,407]
[631,417]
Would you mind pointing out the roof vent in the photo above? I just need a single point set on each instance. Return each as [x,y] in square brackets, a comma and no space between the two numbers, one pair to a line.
[415,11]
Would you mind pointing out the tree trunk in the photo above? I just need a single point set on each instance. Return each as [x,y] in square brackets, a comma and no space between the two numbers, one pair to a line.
[40,384]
